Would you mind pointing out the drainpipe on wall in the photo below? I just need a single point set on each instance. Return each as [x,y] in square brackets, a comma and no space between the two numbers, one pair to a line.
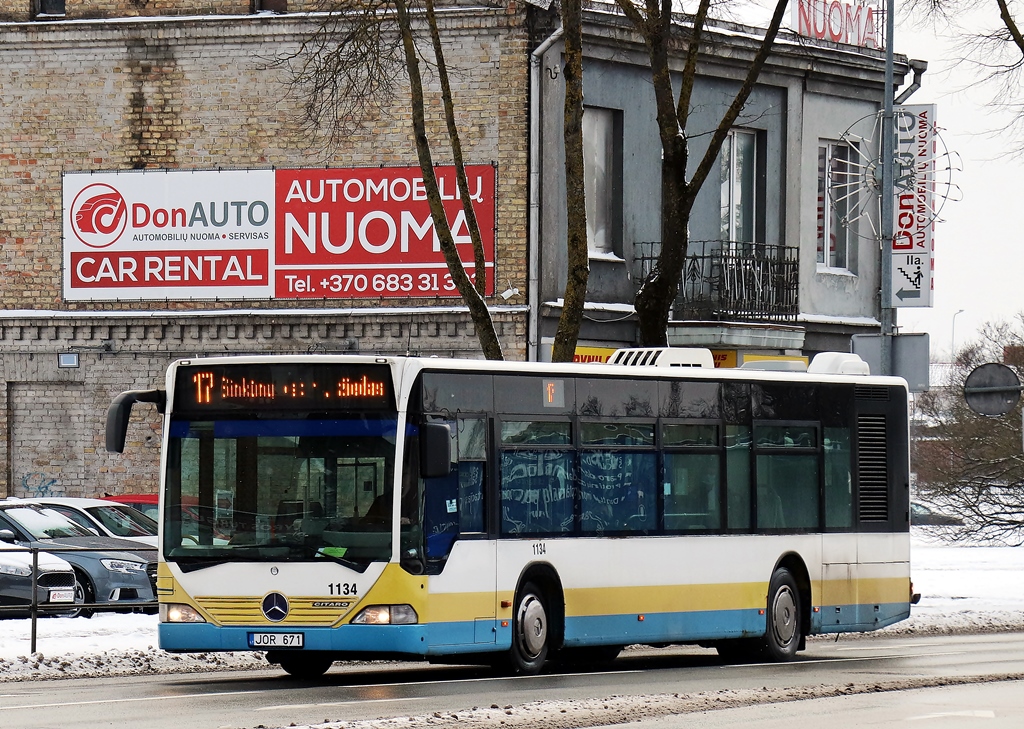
[918,67]
[533,241]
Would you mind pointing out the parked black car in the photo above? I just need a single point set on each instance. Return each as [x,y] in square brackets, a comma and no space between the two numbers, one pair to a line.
[119,574]
[924,516]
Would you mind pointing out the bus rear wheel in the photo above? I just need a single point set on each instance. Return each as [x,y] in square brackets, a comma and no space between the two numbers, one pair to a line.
[303,665]
[531,631]
[785,620]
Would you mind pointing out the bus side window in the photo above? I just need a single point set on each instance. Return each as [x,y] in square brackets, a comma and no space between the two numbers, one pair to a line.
[838,481]
[737,473]
[454,503]
[537,472]
[787,476]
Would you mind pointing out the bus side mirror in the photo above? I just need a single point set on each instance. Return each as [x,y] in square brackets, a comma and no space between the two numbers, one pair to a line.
[435,450]
[120,411]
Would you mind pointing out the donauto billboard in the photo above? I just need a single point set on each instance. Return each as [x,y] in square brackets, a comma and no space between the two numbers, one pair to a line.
[341,233]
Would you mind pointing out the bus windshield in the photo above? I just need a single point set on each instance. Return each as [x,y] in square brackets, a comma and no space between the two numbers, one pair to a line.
[277,487]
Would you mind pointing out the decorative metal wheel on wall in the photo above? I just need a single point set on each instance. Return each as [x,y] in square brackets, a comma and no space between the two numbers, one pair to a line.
[854,174]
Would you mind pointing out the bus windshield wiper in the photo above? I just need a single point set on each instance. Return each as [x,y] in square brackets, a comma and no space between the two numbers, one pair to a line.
[193,564]
[326,553]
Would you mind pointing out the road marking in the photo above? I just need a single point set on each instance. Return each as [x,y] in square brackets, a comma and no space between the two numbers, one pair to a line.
[316,704]
[878,647]
[60,704]
[852,659]
[976,714]
[422,683]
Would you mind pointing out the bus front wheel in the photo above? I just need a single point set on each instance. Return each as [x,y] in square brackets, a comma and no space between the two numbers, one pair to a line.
[531,631]
[784,630]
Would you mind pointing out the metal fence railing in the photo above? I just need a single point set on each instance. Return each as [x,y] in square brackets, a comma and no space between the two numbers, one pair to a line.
[727,280]
[35,609]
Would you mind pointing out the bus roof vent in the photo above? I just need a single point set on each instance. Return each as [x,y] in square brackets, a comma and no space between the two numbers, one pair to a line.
[838,363]
[663,357]
[775,365]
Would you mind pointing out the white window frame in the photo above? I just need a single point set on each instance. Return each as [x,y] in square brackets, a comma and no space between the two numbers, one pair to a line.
[832,205]
[739,210]
[601,180]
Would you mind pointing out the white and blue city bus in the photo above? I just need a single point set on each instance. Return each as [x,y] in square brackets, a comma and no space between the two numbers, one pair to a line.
[323,508]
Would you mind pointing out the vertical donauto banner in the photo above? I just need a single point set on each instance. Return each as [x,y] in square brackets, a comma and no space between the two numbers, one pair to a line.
[339,233]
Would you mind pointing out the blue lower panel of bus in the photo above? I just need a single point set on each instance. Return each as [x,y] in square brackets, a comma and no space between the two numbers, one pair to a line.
[480,636]
[662,627]
[846,618]
[193,637]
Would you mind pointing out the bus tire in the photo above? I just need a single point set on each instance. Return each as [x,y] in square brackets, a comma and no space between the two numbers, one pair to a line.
[784,635]
[531,631]
[304,665]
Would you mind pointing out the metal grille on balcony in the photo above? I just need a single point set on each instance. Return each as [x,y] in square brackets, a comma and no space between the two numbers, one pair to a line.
[728,281]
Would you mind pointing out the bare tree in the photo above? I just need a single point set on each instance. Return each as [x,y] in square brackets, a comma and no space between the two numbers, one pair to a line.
[967,464]
[578,273]
[663,34]
[349,69]
[352,67]
[991,44]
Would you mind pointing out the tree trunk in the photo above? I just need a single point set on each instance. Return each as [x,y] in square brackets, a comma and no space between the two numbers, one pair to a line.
[654,299]
[478,311]
[578,272]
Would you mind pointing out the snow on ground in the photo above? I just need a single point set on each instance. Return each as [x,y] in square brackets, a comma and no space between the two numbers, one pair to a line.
[963,589]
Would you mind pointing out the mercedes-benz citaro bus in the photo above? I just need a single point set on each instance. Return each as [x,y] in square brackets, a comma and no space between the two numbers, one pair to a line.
[343,507]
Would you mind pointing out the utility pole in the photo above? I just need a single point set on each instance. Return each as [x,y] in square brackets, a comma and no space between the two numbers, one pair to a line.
[887,313]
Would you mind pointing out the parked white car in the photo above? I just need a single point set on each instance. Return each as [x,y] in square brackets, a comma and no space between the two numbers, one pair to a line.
[106,518]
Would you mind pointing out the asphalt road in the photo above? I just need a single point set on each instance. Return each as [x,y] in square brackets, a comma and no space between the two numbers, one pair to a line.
[874,672]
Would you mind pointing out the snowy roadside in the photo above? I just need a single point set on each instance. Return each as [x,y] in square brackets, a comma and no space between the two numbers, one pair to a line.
[964,590]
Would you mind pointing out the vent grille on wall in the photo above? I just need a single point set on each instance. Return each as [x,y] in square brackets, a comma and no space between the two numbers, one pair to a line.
[871,392]
[872,460]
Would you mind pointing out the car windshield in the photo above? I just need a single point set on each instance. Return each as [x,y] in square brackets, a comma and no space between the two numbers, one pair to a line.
[123,521]
[43,523]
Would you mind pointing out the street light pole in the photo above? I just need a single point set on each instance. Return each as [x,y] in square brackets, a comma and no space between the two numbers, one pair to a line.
[952,337]
[886,311]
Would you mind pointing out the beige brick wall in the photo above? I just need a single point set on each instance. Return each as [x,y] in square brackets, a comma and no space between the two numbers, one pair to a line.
[199,94]
[52,419]
[25,10]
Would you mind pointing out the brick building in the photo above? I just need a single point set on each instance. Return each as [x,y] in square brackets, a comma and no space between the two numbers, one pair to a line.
[132,90]
[175,85]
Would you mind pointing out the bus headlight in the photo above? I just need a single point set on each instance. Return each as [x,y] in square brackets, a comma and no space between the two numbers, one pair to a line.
[386,615]
[177,613]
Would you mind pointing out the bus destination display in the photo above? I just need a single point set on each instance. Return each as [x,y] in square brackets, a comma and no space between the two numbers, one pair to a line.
[284,386]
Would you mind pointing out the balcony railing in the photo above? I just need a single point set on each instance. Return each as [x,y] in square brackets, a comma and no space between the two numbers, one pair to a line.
[729,281]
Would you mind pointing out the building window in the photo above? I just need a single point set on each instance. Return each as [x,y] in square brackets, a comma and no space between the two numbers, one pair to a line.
[602,163]
[837,203]
[50,9]
[739,183]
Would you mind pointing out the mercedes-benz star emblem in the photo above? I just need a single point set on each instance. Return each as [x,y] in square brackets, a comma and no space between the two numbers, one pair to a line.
[275,607]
